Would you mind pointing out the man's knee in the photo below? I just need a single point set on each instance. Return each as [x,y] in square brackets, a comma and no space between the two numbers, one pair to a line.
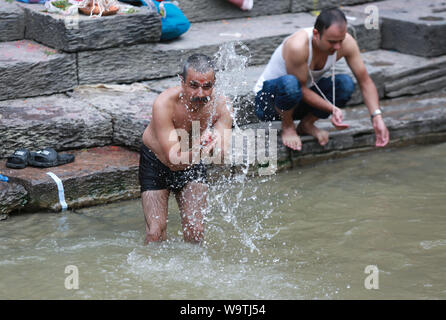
[344,87]
[289,92]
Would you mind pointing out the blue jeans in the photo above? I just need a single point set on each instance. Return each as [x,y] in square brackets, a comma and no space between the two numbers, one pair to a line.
[285,93]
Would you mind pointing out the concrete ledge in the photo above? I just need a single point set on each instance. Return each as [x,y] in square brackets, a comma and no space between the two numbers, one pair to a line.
[97,176]
[29,69]
[55,121]
[79,33]
[12,22]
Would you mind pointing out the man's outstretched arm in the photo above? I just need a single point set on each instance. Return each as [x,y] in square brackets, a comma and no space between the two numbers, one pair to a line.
[368,90]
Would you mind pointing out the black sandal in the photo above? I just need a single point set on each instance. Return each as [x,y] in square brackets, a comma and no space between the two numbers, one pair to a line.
[48,157]
[19,159]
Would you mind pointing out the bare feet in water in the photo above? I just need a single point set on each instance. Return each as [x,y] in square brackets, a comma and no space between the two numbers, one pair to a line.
[306,127]
[290,137]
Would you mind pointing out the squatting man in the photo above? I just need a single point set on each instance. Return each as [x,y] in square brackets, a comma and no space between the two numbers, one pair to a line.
[292,86]
[168,159]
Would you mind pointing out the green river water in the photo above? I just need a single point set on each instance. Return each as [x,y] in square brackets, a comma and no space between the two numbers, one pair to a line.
[307,233]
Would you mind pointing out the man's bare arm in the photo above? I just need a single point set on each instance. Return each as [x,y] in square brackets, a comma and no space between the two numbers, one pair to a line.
[367,87]
[162,117]
[353,58]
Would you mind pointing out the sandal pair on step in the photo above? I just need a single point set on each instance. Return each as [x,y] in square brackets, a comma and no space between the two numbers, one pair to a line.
[44,158]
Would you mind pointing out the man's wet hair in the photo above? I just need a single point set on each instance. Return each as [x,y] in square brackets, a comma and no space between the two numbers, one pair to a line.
[198,62]
[327,17]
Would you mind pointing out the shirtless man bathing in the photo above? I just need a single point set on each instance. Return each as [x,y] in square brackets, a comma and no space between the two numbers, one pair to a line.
[292,88]
[166,166]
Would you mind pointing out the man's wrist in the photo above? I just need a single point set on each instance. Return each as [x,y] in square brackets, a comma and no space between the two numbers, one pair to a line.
[375,113]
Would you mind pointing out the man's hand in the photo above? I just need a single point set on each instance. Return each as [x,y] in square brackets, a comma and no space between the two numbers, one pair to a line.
[208,141]
[381,131]
[336,119]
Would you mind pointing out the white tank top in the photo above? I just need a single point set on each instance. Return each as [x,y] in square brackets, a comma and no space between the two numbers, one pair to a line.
[276,66]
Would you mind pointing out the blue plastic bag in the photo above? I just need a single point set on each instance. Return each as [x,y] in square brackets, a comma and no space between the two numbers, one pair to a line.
[173,21]
[33,1]
[3,178]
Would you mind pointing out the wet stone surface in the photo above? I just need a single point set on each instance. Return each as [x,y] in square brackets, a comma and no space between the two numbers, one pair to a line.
[12,197]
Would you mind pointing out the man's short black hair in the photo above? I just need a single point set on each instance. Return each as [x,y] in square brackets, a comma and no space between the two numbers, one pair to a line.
[327,17]
[198,62]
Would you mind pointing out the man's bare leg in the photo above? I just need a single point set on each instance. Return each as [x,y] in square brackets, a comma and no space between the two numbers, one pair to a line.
[306,126]
[154,204]
[290,137]
[192,203]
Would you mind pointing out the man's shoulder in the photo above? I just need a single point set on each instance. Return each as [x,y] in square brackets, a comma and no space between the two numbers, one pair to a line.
[296,46]
[349,46]
[168,97]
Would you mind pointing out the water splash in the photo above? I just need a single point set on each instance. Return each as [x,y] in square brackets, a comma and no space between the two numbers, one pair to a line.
[231,62]
[229,196]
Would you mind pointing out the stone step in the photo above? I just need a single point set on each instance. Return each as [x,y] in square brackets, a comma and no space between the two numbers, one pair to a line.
[105,174]
[80,32]
[97,176]
[12,21]
[411,26]
[151,61]
[30,69]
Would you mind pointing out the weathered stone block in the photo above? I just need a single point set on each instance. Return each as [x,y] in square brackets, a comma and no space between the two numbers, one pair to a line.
[208,10]
[29,69]
[54,121]
[97,176]
[81,32]
[396,74]
[130,108]
[414,27]
[12,22]
[12,197]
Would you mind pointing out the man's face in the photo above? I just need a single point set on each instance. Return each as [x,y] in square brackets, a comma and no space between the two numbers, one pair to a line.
[198,87]
[332,38]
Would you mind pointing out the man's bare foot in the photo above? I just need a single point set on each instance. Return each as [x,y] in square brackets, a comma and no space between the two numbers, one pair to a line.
[290,138]
[322,136]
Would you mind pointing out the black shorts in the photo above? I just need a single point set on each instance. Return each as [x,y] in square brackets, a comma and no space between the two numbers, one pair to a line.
[154,175]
